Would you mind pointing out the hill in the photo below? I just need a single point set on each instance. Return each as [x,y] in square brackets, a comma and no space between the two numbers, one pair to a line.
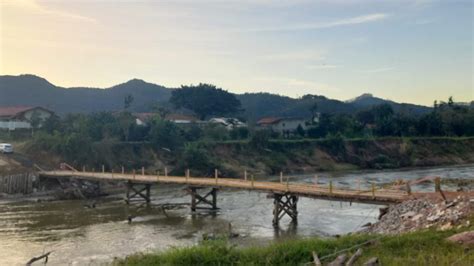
[36,91]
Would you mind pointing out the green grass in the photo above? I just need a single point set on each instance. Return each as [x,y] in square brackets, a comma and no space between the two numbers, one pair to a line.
[419,248]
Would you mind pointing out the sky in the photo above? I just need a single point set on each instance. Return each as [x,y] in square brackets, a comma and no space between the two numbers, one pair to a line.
[412,51]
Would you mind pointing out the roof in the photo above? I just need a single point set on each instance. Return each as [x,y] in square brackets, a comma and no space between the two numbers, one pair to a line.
[143,116]
[268,120]
[274,120]
[12,111]
[181,117]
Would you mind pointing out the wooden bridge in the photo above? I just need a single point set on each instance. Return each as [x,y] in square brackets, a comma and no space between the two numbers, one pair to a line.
[284,193]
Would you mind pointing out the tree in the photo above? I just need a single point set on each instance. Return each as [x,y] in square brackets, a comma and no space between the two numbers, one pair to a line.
[205,100]
[35,121]
[127,101]
[314,110]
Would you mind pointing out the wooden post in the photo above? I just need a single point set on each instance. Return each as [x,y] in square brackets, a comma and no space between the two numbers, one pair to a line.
[143,170]
[133,173]
[358,184]
[330,187]
[103,169]
[408,188]
[287,183]
[316,180]
[245,175]
[112,173]
[252,180]
[281,177]
[166,171]
[123,170]
[83,168]
[438,184]
[373,189]
[187,174]
[215,174]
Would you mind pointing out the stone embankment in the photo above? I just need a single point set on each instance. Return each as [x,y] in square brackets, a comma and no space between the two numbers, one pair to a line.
[425,213]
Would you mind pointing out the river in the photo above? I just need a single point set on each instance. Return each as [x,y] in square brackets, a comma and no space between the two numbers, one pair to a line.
[78,235]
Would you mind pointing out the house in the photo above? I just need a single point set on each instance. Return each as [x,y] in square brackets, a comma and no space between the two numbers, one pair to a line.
[283,125]
[141,119]
[227,122]
[181,119]
[21,117]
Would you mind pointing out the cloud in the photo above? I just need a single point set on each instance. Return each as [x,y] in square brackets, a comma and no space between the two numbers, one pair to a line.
[324,66]
[323,25]
[377,70]
[295,56]
[35,7]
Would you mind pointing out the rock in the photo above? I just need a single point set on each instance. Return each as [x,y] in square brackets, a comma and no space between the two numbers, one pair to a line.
[433,218]
[446,226]
[417,217]
[408,215]
[465,238]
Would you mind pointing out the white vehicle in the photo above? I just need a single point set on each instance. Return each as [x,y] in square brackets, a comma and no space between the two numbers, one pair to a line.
[6,148]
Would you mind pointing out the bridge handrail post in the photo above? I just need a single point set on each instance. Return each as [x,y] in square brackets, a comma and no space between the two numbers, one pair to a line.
[438,184]
[287,183]
[83,168]
[373,189]
[166,171]
[215,175]
[408,188]
[316,181]
[123,170]
[187,174]
[143,170]
[245,175]
[103,168]
[281,177]
[253,180]
[330,186]
[133,173]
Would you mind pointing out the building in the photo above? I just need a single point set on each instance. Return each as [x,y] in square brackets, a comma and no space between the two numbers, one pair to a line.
[227,122]
[141,119]
[21,117]
[282,125]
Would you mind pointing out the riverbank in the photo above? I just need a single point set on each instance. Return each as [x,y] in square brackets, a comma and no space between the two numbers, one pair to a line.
[267,158]
[427,247]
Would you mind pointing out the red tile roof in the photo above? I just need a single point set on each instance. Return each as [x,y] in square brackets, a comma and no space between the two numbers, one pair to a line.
[14,110]
[268,120]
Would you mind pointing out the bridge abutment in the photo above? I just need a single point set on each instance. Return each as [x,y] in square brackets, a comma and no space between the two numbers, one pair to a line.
[209,199]
[138,192]
[284,204]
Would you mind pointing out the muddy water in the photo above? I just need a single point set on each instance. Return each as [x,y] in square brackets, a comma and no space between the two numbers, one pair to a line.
[78,235]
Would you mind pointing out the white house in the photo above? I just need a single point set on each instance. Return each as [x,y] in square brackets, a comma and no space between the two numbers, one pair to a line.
[229,123]
[20,117]
[283,125]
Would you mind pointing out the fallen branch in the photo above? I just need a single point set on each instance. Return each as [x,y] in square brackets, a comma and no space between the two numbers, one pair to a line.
[44,256]
[354,257]
[339,261]
[316,260]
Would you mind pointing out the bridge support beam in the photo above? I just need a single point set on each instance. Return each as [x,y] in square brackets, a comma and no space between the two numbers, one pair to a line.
[209,199]
[284,204]
[138,192]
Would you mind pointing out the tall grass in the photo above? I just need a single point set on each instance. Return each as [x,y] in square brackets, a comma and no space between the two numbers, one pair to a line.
[418,248]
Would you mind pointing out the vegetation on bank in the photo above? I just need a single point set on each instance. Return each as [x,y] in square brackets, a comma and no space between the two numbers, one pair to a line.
[419,248]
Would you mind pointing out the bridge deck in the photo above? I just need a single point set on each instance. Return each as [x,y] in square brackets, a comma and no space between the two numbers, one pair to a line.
[378,196]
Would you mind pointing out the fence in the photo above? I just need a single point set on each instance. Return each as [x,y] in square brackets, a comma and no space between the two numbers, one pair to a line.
[17,183]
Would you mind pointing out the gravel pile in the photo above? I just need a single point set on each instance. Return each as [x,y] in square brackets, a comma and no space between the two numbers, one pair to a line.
[418,214]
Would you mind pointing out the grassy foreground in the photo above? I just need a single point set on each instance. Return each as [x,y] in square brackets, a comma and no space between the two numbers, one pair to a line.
[419,248]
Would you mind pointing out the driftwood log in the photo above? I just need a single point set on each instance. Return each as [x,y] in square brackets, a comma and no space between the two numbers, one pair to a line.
[339,261]
[372,262]
[44,256]
[354,257]
[316,260]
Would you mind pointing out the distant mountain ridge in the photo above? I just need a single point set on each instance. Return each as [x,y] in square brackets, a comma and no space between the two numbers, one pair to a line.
[32,90]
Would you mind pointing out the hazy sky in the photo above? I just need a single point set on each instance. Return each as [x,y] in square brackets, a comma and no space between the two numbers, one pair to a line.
[412,51]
